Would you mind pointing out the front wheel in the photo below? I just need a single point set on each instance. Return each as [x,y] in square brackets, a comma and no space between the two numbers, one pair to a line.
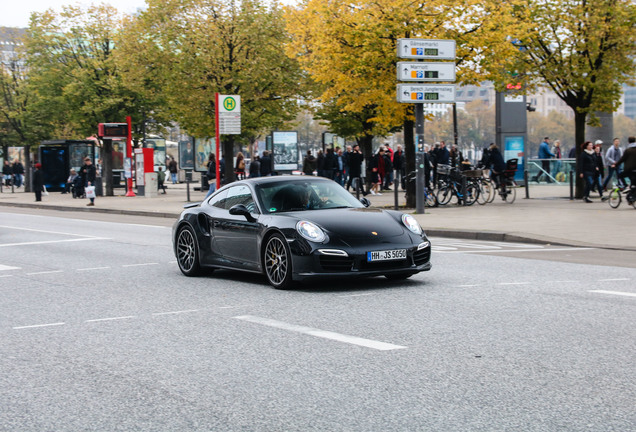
[510,194]
[444,195]
[615,198]
[188,252]
[277,262]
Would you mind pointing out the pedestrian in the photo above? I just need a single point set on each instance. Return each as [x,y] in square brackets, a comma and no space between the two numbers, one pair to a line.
[68,187]
[161,178]
[174,169]
[38,182]
[266,164]
[88,175]
[7,173]
[598,157]
[629,160]
[456,157]
[346,156]
[255,167]
[18,172]
[558,155]
[355,165]
[613,154]
[377,166]
[320,164]
[330,164]
[399,165]
[339,174]
[211,174]
[239,167]
[309,164]
[544,154]
[588,169]
[387,178]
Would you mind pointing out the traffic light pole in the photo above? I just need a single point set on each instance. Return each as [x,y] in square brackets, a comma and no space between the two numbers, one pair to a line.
[420,169]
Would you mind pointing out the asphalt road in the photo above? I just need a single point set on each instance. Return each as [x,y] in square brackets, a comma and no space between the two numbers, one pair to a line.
[100,331]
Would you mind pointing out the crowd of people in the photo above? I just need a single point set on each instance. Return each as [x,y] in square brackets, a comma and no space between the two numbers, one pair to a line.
[13,173]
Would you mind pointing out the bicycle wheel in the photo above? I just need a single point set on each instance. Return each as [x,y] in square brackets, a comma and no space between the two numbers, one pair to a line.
[472,194]
[511,194]
[493,191]
[485,189]
[444,195]
[615,198]
[431,199]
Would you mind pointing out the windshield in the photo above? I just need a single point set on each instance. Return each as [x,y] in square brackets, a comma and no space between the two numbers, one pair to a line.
[316,194]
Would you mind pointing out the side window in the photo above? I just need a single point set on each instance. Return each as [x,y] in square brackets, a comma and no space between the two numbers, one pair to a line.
[240,195]
[218,199]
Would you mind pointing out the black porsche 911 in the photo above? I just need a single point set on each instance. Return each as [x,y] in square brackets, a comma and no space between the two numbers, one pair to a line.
[294,228]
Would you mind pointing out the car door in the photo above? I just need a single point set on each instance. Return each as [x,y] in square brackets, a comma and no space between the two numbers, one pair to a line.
[234,236]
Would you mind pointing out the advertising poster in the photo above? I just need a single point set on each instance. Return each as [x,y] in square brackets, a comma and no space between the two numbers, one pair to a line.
[15,154]
[203,146]
[186,155]
[159,144]
[119,149]
[514,148]
[285,151]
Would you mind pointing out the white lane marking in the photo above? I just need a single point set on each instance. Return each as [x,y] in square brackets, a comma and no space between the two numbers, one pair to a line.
[92,268]
[513,283]
[44,231]
[53,241]
[467,286]
[443,248]
[139,265]
[354,340]
[45,272]
[618,293]
[613,280]
[92,222]
[4,276]
[175,312]
[110,319]
[356,295]
[562,281]
[471,245]
[38,326]
[172,262]
[6,267]
[519,250]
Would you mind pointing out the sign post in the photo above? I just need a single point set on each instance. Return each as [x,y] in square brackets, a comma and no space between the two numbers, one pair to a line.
[227,122]
[129,181]
[421,92]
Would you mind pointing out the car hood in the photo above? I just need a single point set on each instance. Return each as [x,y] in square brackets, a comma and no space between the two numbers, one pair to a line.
[355,223]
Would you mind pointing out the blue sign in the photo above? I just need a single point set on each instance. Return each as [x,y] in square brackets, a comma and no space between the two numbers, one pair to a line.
[514,148]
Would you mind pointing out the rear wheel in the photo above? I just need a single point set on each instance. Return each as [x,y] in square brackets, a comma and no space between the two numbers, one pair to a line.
[472,193]
[511,194]
[485,190]
[444,195]
[188,252]
[615,198]
[277,262]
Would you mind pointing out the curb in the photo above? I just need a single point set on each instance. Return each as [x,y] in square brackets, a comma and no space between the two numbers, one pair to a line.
[94,210]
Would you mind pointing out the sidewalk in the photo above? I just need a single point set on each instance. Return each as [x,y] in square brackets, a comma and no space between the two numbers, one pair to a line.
[547,217]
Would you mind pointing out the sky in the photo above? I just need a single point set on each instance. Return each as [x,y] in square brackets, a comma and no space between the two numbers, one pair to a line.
[16,13]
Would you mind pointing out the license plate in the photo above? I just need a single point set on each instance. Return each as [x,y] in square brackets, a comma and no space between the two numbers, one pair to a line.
[386,255]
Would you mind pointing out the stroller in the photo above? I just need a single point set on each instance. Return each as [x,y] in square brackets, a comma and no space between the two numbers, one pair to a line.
[77,187]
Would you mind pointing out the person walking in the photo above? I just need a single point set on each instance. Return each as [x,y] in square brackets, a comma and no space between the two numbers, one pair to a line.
[629,161]
[239,167]
[7,173]
[558,155]
[211,174]
[18,173]
[598,157]
[255,167]
[544,155]
[331,164]
[346,157]
[588,169]
[88,174]
[355,165]
[613,154]
[161,178]
[320,164]
[309,164]
[38,182]
[399,165]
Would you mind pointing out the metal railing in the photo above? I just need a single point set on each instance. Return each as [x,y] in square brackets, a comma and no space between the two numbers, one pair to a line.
[557,172]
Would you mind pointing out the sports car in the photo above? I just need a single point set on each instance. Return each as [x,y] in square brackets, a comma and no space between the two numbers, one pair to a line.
[295,228]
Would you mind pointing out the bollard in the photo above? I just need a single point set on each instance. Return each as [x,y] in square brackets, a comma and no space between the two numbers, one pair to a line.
[395,188]
[464,190]
[525,179]
[571,186]
[357,181]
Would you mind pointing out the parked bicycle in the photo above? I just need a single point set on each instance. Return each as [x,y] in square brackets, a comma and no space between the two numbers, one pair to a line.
[507,187]
[453,188]
[430,199]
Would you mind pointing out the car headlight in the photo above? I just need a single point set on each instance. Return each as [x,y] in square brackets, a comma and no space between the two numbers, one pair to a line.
[410,222]
[311,231]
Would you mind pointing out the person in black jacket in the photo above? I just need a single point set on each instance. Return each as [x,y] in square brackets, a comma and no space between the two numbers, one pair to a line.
[266,164]
[588,169]
[399,164]
[330,164]
[355,169]
[38,182]
[88,174]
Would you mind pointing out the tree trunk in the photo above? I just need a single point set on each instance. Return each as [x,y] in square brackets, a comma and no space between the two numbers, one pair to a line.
[27,169]
[579,138]
[409,154]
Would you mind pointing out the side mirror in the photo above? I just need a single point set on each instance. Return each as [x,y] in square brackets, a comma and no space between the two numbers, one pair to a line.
[241,210]
[365,202]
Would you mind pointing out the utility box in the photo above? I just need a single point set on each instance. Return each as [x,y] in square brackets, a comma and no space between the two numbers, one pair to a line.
[143,165]
[151,185]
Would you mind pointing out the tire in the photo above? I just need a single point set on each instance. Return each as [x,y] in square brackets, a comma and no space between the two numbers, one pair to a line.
[485,191]
[188,252]
[511,194]
[493,191]
[431,199]
[444,195]
[398,276]
[277,263]
[472,194]
[615,198]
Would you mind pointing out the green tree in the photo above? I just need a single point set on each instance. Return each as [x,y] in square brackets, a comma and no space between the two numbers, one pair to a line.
[583,50]
[186,51]
[72,69]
